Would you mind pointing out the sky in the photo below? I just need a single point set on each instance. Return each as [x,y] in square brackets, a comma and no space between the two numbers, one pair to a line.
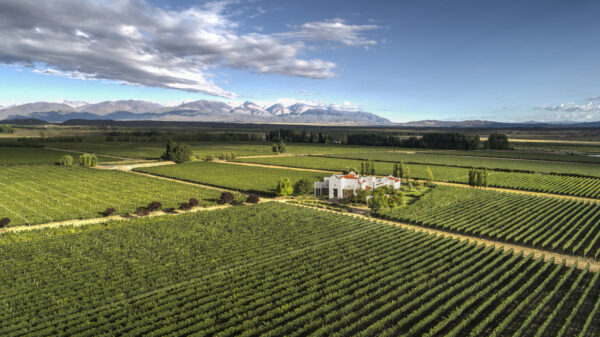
[403,60]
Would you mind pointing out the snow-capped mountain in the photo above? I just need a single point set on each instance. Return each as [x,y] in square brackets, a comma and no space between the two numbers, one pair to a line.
[203,110]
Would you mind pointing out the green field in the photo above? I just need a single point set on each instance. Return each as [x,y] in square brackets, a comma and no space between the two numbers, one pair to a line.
[469,161]
[242,178]
[545,223]
[33,155]
[33,194]
[274,269]
[149,150]
[546,183]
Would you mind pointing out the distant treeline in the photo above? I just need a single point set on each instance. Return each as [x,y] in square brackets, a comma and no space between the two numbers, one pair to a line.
[160,136]
[435,140]
[37,142]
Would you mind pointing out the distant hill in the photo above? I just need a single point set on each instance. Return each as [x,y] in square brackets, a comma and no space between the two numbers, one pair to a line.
[197,111]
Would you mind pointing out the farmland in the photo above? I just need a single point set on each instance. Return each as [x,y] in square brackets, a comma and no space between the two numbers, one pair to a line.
[542,222]
[242,178]
[264,270]
[547,183]
[33,194]
[27,155]
[489,163]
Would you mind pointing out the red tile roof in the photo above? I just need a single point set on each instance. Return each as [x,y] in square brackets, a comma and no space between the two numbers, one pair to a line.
[349,176]
[394,179]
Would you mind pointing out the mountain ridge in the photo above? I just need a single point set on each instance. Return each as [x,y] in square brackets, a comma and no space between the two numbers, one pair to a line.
[201,110]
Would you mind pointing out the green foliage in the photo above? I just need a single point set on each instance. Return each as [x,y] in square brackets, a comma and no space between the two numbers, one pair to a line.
[279,148]
[177,152]
[226,198]
[360,197]
[88,160]
[259,180]
[498,141]
[227,156]
[429,175]
[66,160]
[284,187]
[56,193]
[547,183]
[304,186]
[6,128]
[546,223]
[274,259]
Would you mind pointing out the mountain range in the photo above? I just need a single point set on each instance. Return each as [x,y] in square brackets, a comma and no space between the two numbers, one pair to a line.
[197,111]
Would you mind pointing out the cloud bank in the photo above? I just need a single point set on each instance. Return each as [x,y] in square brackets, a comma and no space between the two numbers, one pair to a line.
[573,111]
[136,43]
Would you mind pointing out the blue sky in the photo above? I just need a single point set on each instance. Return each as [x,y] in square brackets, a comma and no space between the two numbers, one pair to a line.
[404,60]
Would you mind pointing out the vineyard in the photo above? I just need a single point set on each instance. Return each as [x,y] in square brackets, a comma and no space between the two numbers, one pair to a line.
[546,223]
[25,155]
[546,183]
[275,269]
[260,180]
[467,161]
[33,194]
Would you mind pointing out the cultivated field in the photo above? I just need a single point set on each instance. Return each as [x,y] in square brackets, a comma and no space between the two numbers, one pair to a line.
[281,270]
[546,183]
[241,178]
[541,222]
[27,155]
[33,194]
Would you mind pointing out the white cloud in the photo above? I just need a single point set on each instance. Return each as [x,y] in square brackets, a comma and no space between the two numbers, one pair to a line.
[134,42]
[333,31]
[572,111]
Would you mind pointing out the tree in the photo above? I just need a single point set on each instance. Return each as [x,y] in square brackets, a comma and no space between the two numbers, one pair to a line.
[429,176]
[360,197]
[6,129]
[4,222]
[498,141]
[194,202]
[284,187]
[485,178]
[282,147]
[109,211]
[88,160]
[177,152]
[303,186]
[226,198]
[472,180]
[154,206]
[362,168]
[275,148]
[252,199]
[66,160]
[479,178]
[379,201]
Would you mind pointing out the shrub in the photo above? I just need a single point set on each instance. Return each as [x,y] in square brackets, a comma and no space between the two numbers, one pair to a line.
[226,198]
[193,202]
[66,160]
[252,199]
[154,206]
[88,160]
[4,222]
[109,212]
[209,158]
[284,187]
[303,186]
[142,211]
[185,206]
[177,152]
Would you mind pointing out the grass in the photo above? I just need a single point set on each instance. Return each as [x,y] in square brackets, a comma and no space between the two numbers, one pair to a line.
[242,178]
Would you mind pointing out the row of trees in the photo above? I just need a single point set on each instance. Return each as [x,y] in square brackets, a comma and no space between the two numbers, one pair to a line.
[85,160]
[6,128]
[478,178]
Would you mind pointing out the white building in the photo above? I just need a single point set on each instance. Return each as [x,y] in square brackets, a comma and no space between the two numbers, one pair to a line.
[340,186]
